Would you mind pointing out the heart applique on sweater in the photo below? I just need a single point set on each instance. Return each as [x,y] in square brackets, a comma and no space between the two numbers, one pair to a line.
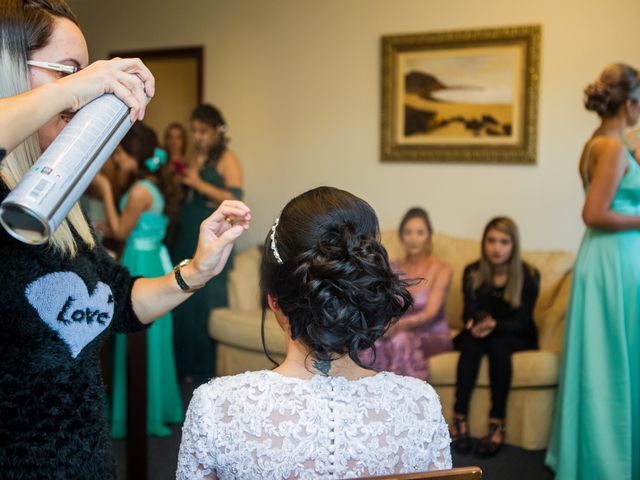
[65,304]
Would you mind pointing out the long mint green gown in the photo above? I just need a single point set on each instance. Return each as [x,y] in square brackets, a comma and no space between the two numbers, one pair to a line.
[145,255]
[596,433]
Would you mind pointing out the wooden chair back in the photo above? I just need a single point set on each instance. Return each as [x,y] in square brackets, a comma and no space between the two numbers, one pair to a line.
[463,473]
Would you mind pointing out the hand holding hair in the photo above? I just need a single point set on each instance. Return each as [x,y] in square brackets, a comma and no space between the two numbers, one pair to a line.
[217,235]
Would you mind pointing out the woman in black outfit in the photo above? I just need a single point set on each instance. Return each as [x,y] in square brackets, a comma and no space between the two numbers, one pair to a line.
[61,300]
[500,292]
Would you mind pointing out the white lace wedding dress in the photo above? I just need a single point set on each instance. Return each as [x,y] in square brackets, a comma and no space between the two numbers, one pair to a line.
[263,425]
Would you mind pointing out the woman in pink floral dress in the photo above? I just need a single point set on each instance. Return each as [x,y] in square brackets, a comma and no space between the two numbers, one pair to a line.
[423,331]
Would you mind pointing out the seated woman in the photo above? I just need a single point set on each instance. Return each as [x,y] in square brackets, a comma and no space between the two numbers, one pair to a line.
[423,331]
[144,169]
[500,292]
[322,413]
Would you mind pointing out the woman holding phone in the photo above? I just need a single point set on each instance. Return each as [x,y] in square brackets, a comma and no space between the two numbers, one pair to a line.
[500,292]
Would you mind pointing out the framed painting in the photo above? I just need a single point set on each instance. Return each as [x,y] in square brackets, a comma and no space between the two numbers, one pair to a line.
[461,96]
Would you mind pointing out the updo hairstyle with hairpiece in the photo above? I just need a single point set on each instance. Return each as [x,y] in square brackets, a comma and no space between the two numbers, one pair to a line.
[330,274]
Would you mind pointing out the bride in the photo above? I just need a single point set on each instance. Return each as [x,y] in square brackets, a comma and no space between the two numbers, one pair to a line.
[322,412]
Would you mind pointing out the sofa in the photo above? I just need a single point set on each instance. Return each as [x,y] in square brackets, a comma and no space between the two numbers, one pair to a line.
[236,330]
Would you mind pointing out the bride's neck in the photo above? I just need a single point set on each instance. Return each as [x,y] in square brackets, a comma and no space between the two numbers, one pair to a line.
[300,363]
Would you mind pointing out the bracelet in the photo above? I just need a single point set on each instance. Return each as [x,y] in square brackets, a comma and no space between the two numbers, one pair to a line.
[180,280]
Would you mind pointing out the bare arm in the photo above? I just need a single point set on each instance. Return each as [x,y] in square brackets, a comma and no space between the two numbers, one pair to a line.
[24,114]
[232,172]
[138,202]
[153,297]
[437,298]
[606,170]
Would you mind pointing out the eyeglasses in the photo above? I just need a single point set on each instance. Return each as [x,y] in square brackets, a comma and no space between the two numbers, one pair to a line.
[57,67]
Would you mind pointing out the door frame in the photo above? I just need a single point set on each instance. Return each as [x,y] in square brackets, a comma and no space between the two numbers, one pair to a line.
[163,53]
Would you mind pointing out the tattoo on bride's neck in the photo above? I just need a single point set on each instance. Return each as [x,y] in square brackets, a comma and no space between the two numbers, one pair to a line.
[322,366]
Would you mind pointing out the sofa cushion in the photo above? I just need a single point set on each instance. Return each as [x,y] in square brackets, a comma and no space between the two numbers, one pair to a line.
[531,368]
[551,332]
[242,329]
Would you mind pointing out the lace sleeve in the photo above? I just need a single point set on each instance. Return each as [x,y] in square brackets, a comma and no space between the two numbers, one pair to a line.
[197,455]
[441,452]
[439,456]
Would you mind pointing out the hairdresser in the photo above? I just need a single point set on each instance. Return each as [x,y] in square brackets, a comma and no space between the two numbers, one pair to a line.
[61,300]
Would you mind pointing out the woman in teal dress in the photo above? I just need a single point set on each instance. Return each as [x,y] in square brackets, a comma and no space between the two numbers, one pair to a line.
[596,434]
[143,224]
[213,175]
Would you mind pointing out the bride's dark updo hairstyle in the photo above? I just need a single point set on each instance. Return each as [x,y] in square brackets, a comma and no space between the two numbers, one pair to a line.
[334,282]
[617,84]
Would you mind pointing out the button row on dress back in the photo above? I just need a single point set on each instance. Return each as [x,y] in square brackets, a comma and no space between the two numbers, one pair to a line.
[332,431]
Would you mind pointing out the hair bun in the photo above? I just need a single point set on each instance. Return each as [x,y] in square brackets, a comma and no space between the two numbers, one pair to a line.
[341,242]
[617,84]
[598,99]
[336,285]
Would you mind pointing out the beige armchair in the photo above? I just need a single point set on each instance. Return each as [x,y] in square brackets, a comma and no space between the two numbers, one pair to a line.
[535,373]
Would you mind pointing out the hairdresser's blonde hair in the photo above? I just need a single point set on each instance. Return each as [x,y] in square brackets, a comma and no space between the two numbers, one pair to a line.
[516,270]
[26,26]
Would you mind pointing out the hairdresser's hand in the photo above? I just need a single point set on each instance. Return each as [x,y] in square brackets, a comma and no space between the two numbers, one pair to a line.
[215,241]
[127,78]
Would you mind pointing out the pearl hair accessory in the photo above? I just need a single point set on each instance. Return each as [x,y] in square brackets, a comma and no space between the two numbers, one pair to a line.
[273,242]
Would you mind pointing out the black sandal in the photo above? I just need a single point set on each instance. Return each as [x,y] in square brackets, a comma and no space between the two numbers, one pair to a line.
[487,447]
[460,441]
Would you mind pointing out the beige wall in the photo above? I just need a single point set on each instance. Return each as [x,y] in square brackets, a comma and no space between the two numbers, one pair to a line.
[299,83]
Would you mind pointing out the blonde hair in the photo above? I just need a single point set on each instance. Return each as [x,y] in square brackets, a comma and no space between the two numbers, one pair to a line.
[516,267]
[23,30]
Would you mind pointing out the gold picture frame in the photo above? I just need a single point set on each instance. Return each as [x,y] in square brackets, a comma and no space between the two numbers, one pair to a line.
[461,96]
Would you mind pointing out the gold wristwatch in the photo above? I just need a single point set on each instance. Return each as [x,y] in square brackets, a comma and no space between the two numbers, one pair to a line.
[181,283]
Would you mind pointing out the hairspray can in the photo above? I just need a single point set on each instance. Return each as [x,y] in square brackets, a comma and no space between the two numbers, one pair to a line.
[34,209]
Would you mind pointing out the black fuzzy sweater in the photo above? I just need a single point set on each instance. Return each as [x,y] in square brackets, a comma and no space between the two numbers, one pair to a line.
[55,312]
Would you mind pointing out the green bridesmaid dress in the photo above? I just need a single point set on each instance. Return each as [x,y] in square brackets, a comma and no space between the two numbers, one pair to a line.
[145,255]
[195,350]
[596,433]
